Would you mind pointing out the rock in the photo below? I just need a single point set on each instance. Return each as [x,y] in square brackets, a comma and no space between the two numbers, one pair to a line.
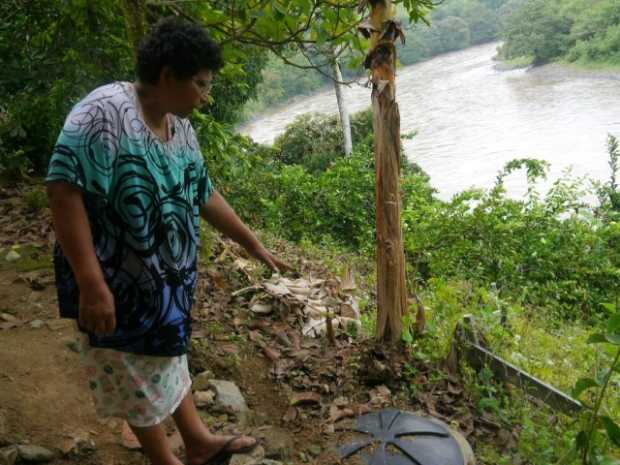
[269,462]
[8,455]
[204,398]
[337,413]
[228,398]
[79,445]
[261,309]
[380,396]
[73,345]
[8,321]
[37,324]
[12,256]
[201,381]
[277,441]
[37,454]
[253,458]
[10,318]
[59,324]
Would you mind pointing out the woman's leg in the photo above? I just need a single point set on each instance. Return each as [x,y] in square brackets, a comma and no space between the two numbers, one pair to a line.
[200,444]
[155,444]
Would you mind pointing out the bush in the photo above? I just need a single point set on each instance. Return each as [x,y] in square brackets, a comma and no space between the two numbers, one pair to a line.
[548,253]
[576,30]
[315,140]
[36,199]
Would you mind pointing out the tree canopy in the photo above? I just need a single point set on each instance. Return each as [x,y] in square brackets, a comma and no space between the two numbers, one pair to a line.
[55,51]
[575,30]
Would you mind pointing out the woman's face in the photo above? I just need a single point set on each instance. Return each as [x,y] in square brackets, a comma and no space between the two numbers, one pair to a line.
[185,95]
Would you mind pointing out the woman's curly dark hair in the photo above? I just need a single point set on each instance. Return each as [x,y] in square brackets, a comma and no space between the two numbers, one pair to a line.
[183,46]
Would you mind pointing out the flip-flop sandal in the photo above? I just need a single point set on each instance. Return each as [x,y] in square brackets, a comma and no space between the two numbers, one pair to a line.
[225,452]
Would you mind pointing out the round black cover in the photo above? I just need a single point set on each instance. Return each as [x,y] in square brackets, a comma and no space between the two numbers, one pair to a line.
[419,440]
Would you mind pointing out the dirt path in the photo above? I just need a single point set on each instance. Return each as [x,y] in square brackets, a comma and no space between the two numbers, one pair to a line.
[44,398]
[43,395]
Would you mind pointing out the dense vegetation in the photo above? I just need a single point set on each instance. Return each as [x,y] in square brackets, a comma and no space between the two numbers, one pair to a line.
[582,31]
[552,262]
[454,25]
[50,60]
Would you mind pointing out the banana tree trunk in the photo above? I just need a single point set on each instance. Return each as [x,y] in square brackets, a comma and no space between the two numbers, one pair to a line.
[383,31]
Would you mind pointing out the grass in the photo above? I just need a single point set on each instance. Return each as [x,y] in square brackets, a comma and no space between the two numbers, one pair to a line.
[587,65]
[32,258]
[517,63]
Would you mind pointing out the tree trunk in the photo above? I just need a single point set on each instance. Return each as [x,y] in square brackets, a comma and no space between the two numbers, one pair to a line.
[345,122]
[134,12]
[381,60]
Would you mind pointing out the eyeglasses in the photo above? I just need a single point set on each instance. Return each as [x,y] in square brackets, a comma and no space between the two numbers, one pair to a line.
[203,86]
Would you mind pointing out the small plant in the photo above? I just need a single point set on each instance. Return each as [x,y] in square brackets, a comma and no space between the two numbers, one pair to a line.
[609,193]
[14,165]
[598,427]
[36,199]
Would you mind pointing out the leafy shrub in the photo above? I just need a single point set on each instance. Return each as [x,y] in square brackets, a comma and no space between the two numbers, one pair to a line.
[314,140]
[576,30]
[36,199]
[544,252]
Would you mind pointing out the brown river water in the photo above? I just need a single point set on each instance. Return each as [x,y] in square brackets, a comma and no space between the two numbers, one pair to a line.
[471,118]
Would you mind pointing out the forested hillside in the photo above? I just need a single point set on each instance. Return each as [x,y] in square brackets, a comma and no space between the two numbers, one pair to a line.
[579,31]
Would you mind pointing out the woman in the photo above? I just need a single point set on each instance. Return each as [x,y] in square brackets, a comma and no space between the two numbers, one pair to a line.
[127,186]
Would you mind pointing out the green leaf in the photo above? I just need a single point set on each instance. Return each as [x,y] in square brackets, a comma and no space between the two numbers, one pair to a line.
[602,375]
[596,338]
[613,430]
[613,324]
[611,308]
[582,385]
[280,7]
[581,440]
[613,339]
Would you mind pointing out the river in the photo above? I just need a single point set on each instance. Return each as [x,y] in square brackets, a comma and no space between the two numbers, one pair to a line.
[471,118]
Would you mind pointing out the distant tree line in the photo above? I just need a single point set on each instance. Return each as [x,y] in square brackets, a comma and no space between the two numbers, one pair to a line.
[582,31]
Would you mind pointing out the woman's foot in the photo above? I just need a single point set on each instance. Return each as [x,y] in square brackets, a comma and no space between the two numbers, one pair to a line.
[215,448]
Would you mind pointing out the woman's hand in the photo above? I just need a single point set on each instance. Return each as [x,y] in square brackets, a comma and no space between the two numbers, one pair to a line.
[274,263]
[97,313]
[97,310]
[219,214]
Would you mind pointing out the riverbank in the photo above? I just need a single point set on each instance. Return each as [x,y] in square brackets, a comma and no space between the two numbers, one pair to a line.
[597,70]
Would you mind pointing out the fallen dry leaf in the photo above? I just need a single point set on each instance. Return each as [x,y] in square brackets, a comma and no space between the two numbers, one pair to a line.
[271,353]
[305,398]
